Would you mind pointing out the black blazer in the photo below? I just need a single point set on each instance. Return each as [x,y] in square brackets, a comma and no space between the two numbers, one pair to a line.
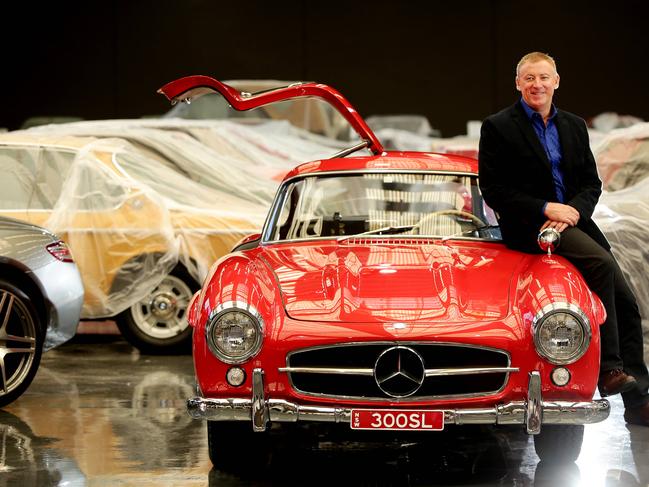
[516,176]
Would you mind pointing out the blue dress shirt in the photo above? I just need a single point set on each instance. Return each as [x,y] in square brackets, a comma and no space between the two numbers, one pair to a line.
[549,138]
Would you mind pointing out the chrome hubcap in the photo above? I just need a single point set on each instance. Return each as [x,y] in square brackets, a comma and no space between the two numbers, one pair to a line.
[164,306]
[163,313]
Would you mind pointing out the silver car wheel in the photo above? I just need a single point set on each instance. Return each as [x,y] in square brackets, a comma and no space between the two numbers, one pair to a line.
[163,313]
[17,341]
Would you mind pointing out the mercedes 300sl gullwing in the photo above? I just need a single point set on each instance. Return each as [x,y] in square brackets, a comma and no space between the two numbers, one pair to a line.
[379,295]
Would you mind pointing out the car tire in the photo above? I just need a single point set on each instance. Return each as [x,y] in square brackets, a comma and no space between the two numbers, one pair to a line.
[20,328]
[558,443]
[234,447]
[157,324]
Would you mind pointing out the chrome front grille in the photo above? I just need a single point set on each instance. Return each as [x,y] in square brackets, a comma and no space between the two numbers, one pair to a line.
[422,371]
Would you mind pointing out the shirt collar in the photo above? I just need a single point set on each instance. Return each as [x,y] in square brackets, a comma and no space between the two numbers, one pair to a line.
[530,111]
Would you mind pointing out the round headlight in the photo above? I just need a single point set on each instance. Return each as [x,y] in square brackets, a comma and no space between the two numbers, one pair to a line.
[561,333]
[234,334]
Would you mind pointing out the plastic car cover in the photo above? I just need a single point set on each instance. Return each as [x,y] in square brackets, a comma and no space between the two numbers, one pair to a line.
[266,149]
[104,215]
[607,121]
[623,156]
[417,124]
[207,196]
[128,218]
[623,216]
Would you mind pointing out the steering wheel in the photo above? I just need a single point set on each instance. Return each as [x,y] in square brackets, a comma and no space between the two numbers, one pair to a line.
[450,213]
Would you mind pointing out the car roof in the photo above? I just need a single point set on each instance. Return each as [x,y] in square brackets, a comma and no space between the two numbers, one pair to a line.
[391,161]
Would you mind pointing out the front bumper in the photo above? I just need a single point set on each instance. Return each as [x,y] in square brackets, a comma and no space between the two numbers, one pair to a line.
[532,412]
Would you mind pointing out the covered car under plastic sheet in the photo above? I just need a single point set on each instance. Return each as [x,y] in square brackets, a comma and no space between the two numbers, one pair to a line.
[130,221]
[206,150]
[623,156]
[623,216]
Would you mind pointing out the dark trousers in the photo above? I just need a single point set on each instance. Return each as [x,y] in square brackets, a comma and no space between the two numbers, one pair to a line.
[621,333]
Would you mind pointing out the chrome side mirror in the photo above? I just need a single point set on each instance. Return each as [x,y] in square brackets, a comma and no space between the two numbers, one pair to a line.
[549,239]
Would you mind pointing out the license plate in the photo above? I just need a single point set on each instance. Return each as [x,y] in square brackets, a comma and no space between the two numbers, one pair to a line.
[397,419]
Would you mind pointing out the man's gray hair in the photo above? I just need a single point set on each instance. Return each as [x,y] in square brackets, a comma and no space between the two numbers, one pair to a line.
[534,57]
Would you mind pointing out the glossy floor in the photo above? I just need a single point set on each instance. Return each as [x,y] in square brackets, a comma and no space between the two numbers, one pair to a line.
[98,413]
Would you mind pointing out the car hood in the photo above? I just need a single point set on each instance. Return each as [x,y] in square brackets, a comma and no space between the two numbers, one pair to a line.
[355,282]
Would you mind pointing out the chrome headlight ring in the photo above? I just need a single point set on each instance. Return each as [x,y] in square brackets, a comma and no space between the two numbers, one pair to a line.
[232,325]
[542,322]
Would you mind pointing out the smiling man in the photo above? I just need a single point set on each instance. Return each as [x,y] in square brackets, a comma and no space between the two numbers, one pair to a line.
[537,171]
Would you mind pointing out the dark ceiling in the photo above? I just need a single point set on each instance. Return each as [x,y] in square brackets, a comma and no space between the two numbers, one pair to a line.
[450,61]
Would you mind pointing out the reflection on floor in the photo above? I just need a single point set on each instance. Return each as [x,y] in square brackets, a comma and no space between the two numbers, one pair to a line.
[98,413]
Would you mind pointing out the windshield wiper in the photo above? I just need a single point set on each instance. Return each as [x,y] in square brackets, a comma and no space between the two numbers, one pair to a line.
[391,230]
[468,232]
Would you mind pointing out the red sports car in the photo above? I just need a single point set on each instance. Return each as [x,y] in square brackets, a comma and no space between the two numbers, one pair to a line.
[380,295]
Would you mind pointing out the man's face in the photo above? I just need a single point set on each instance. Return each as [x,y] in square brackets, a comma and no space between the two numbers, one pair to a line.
[537,81]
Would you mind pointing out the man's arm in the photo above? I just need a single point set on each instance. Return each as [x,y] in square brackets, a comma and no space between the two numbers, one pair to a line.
[495,178]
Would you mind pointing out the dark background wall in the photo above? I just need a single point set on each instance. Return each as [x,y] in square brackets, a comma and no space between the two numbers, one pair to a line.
[449,60]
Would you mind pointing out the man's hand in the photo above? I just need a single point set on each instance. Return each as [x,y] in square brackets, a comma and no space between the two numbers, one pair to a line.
[558,226]
[560,213]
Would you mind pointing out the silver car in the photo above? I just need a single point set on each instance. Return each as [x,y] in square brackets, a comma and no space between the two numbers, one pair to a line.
[40,301]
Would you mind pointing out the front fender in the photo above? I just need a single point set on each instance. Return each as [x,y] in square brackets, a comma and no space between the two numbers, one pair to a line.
[549,279]
[545,280]
[237,277]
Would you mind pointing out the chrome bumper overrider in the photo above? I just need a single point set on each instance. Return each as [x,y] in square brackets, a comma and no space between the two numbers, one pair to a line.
[532,412]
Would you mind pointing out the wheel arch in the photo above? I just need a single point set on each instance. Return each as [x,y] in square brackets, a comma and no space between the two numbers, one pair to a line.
[122,273]
[20,276]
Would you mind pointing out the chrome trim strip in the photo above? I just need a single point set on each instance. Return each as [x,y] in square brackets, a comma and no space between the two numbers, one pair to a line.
[470,371]
[327,370]
[534,407]
[370,372]
[394,343]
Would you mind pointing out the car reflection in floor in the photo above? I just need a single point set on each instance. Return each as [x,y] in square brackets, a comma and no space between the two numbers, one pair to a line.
[27,459]
[98,412]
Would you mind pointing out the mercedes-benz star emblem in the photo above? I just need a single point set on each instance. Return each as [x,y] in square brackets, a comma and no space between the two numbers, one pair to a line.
[399,371]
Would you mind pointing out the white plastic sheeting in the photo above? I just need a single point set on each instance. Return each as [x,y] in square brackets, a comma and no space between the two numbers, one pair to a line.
[623,156]
[607,121]
[128,217]
[623,216]
[267,148]
[134,198]
[402,132]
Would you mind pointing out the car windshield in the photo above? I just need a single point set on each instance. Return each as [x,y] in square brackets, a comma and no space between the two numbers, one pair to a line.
[397,204]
